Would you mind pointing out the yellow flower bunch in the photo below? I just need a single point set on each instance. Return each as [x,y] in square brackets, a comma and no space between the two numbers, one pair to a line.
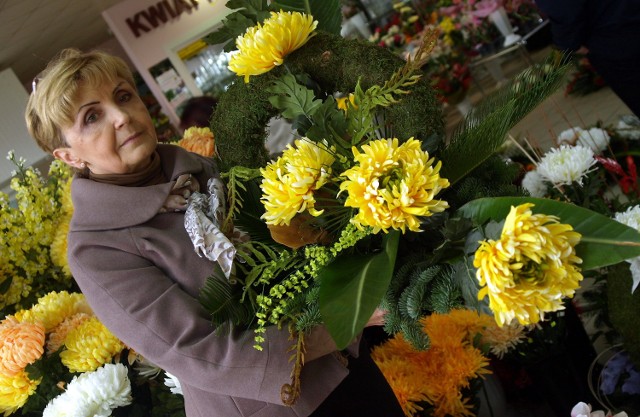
[439,374]
[89,346]
[30,220]
[265,46]
[15,391]
[54,308]
[393,185]
[289,183]
[529,270]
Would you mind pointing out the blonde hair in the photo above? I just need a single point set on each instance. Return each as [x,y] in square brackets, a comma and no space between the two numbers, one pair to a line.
[50,104]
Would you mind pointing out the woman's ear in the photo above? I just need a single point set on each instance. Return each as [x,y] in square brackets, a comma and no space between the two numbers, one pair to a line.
[67,156]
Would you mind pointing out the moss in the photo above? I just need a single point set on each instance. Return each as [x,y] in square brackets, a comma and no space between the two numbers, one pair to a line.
[624,309]
[335,64]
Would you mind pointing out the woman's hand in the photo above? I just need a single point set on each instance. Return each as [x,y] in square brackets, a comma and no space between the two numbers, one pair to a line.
[377,319]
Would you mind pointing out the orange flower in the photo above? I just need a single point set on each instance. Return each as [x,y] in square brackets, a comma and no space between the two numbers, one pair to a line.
[59,334]
[20,345]
[199,140]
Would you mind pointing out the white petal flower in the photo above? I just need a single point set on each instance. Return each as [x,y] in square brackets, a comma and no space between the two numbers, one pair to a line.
[569,136]
[93,394]
[534,183]
[566,164]
[173,383]
[594,138]
[629,127]
[631,218]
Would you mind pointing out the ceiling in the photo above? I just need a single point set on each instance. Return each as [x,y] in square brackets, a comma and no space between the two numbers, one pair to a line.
[33,31]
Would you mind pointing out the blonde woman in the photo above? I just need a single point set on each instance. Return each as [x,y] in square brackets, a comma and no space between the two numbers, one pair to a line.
[135,263]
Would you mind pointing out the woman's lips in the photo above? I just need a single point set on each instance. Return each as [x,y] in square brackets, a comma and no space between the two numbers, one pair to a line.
[131,139]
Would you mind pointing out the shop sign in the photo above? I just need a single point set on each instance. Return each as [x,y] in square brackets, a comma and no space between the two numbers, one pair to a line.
[150,18]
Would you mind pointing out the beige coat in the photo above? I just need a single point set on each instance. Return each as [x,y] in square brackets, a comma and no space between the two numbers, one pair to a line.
[141,275]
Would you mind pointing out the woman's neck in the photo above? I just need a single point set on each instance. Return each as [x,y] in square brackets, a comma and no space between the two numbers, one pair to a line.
[151,175]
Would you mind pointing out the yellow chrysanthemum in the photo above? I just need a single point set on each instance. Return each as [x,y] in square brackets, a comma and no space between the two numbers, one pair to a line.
[199,140]
[265,46]
[530,268]
[59,334]
[393,185]
[15,391]
[89,346]
[289,183]
[20,345]
[53,308]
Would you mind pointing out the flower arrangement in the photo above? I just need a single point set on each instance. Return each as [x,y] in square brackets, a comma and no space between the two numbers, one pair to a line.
[404,25]
[34,224]
[357,214]
[58,359]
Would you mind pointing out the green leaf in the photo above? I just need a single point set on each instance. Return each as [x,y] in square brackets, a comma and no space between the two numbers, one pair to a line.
[328,13]
[223,301]
[292,99]
[604,241]
[247,14]
[351,287]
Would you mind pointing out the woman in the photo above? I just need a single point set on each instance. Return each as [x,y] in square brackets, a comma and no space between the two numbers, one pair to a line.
[135,263]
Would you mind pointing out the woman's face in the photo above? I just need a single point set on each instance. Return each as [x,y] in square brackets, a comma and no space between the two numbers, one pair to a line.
[112,131]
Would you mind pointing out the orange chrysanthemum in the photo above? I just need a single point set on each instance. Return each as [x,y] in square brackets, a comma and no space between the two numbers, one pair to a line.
[199,140]
[20,345]
[437,375]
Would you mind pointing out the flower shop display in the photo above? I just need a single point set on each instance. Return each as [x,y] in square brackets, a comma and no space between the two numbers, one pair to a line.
[58,359]
[370,206]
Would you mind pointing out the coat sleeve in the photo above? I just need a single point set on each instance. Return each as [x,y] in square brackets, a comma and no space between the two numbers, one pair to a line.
[152,314]
[569,22]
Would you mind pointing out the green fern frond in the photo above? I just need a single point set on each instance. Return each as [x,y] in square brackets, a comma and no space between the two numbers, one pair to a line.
[445,294]
[485,128]
[236,177]
[414,334]
[223,301]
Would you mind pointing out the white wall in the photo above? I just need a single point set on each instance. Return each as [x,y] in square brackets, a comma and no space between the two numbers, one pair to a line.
[13,130]
[149,48]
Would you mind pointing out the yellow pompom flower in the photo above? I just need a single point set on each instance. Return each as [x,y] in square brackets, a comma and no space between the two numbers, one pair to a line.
[393,185]
[20,345]
[289,183]
[265,46]
[89,346]
[529,270]
[59,334]
[15,391]
[53,308]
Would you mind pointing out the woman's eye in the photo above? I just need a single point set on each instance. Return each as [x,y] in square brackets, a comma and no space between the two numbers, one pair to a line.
[125,96]
[90,117]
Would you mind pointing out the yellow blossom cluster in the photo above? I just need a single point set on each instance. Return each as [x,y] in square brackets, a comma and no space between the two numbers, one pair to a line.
[30,220]
[439,374]
[530,269]
[290,183]
[89,346]
[392,185]
[265,45]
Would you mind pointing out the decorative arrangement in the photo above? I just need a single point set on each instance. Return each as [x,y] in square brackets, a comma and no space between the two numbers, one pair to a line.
[584,79]
[369,206]
[199,140]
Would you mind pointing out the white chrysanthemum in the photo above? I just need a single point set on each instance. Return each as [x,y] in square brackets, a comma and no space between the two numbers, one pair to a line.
[534,183]
[566,164]
[631,218]
[594,138]
[569,136]
[93,394]
[173,383]
[630,130]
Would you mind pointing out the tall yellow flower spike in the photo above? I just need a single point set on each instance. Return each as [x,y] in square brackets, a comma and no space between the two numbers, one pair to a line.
[530,269]
[265,46]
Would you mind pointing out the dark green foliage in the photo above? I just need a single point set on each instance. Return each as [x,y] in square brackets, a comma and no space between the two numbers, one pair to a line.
[335,65]
[222,300]
[624,309]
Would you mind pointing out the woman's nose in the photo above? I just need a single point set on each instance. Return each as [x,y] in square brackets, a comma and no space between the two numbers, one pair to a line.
[120,117]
